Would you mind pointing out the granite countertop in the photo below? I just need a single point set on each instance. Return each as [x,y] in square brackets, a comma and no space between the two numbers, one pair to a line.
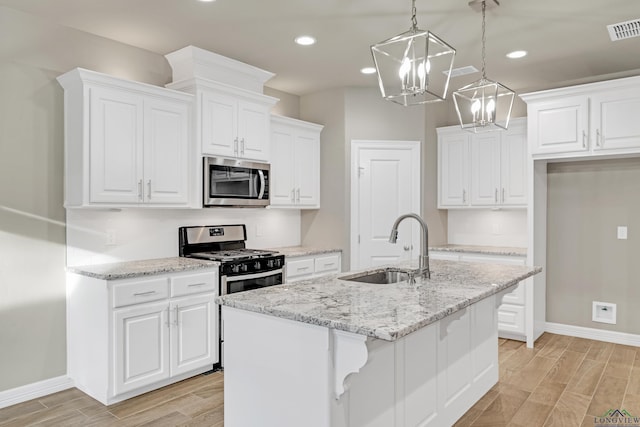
[387,312]
[148,267]
[292,251]
[486,250]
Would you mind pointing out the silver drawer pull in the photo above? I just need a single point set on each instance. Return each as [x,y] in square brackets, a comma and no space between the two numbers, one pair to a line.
[303,268]
[142,294]
[196,284]
[329,264]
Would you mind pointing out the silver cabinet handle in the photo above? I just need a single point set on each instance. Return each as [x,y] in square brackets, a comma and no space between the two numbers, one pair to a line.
[140,190]
[149,190]
[502,194]
[177,314]
[235,146]
[584,139]
[597,137]
[495,196]
[242,145]
[298,195]
[293,195]
[464,196]
[195,284]
[406,248]
[142,294]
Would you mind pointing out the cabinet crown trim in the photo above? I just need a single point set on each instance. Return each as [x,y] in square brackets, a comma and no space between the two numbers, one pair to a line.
[289,121]
[582,89]
[191,85]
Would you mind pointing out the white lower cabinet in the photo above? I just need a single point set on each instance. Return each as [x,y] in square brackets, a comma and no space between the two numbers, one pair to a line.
[312,266]
[127,337]
[511,313]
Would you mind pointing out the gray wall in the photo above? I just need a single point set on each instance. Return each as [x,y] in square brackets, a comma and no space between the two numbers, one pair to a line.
[585,260]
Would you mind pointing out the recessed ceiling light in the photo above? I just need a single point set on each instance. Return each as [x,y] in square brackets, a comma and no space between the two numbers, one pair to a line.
[517,54]
[368,70]
[305,40]
[207,1]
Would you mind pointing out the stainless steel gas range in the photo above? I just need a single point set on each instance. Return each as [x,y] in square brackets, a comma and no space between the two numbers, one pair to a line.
[241,269]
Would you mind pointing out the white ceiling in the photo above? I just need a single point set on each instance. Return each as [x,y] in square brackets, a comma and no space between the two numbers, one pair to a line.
[567,40]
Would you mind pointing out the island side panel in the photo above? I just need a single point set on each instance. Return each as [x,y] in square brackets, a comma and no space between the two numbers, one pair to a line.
[431,377]
[276,371]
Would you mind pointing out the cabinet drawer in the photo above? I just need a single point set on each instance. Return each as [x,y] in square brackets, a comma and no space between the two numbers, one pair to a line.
[300,267]
[194,283]
[140,291]
[516,296]
[327,264]
[511,318]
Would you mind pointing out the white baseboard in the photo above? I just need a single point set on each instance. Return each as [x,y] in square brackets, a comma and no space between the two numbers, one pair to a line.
[593,334]
[34,390]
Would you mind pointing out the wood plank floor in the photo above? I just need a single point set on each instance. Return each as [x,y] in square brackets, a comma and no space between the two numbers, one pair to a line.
[564,381]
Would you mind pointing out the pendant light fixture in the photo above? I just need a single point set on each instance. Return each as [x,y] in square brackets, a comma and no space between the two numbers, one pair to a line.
[413,67]
[484,105]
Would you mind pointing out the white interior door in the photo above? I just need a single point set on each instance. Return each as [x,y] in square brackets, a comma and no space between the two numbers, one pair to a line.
[385,183]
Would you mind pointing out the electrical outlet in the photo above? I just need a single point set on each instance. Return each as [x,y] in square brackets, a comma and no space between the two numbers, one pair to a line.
[111,238]
[622,232]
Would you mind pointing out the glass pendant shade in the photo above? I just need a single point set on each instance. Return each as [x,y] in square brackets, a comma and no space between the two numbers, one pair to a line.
[484,105]
[413,67]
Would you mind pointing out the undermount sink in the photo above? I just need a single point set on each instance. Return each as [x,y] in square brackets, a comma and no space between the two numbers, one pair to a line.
[380,277]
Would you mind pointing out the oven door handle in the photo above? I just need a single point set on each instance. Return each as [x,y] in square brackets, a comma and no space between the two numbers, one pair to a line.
[226,279]
[262,184]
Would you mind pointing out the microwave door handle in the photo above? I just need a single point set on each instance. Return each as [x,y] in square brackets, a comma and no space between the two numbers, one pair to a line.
[262,184]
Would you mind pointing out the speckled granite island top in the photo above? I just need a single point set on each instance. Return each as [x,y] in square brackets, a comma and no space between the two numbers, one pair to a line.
[485,250]
[293,251]
[387,312]
[147,267]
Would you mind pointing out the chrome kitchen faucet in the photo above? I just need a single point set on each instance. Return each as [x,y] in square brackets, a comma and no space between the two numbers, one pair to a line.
[423,261]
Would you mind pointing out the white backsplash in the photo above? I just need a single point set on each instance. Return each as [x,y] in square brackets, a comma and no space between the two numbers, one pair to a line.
[153,233]
[485,227]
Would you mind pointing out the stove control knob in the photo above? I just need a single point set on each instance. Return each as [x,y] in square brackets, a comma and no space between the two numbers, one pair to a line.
[235,268]
[244,268]
[270,263]
[256,265]
[278,262]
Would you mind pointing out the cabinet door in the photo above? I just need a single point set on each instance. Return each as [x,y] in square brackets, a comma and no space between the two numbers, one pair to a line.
[282,186]
[614,120]
[166,150]
[194,335]
[307,170]
[219,123]
[253,131]
[513,175]
[453,174]
[560,126]
[485,169]
[116,131]
[141,342]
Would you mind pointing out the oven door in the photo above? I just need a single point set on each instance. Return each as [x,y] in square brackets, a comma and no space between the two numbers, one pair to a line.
[235,183]
[247,282]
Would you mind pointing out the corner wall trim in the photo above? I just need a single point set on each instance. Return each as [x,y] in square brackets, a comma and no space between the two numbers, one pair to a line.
[593,334]
[34,390]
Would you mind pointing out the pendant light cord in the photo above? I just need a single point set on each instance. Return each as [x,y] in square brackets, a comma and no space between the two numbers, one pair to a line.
[414,20]
[484,40]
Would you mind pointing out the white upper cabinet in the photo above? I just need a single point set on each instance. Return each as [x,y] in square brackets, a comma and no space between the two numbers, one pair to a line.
[484,169]
[295,163]
[126,143]
[586,120]
[232,122]
[453,168]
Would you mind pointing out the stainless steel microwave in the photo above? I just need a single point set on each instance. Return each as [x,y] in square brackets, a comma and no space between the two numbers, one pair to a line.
[235,183]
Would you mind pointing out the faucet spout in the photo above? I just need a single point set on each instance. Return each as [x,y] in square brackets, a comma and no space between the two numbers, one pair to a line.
[423,261]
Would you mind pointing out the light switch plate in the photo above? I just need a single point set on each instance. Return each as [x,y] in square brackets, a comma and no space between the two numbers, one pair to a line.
[622,232]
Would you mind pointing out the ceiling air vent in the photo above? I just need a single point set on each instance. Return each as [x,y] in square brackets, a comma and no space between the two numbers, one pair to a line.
[462,71]
[624,30]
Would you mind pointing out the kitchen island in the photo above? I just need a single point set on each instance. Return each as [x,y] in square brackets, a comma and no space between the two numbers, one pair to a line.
[332,352]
